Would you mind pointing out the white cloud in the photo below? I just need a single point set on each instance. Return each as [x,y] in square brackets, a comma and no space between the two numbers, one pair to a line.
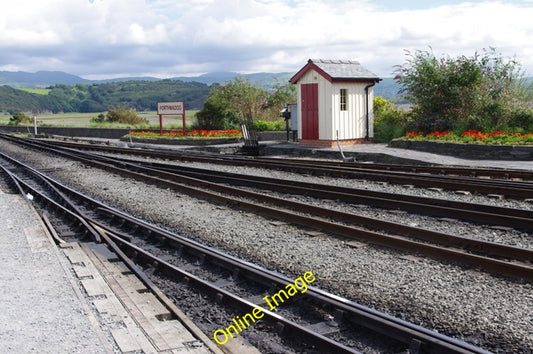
[171,38]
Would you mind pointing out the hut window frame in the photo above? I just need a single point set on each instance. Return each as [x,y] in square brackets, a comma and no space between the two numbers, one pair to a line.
[343,99]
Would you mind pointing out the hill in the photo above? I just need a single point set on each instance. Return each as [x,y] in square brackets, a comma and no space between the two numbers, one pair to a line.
[40,79]
[266,80]
[71,93]
[14,100]
[141,95]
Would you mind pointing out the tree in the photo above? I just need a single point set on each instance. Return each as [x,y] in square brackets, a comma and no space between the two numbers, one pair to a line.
[248,100]
[479,92]
[283,92]
[89,105]
[239,100]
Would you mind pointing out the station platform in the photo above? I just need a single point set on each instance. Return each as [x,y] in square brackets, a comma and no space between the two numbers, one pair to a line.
[382,153]
[374,152]
[68,299]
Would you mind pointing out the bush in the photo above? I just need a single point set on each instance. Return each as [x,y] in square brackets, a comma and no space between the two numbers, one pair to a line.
[389,123]
[121,116]
[278,125]
[428,122]
[215,116]
[522,117]
[478,92]
[390,126]
[20,118]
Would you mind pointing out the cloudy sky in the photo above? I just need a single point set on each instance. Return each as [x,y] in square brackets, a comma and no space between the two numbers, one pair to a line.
[99,39]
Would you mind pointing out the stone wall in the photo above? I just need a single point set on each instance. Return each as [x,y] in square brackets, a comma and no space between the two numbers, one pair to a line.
[103,133]
[469,151]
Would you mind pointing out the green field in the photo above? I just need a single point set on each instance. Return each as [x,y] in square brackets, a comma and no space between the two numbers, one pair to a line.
[38,91]
[84,120]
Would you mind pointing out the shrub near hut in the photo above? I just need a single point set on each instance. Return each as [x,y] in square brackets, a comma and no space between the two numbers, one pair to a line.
[485,92]
[495,137]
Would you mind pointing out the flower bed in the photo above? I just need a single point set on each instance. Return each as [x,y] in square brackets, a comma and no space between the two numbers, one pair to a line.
[188,134]
[474,137]
[193,137]
[470,144]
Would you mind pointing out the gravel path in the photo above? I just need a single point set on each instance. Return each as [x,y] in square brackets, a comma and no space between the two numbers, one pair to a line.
[492,312]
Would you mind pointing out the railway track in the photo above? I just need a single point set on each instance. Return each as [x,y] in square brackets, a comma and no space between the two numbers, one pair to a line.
[501,259]
[470,212]
[140,244]
[509,183]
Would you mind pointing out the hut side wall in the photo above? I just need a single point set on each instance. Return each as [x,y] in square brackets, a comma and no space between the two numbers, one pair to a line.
[350,124]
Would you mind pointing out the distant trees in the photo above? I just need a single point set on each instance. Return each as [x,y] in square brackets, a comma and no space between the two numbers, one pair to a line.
[140,95]
[482,92]
[239,100]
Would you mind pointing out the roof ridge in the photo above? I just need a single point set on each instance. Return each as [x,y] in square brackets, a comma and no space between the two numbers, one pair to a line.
[337,70]
[335,61]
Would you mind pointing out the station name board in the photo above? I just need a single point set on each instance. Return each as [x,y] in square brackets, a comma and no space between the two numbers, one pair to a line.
[170,108]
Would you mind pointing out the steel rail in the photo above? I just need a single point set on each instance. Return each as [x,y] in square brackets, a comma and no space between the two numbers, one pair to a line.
[426,342]
[506,174]
[511,189]
[480,213]
[408,333]
[426,169]
[112,241]
[89,227]
[508,188]
[24,188]
[473,245]
[516,218]
[511,269]
[321,341]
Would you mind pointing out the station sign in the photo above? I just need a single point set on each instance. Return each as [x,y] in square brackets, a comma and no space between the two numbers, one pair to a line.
[169,108]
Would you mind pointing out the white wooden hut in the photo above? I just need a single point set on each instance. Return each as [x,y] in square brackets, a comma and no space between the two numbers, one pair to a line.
[334,102]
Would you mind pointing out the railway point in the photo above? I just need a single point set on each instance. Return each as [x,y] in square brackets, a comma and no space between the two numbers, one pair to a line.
[61,303]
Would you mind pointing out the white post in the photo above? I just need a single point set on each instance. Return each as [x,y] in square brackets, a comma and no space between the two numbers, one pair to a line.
[35,123]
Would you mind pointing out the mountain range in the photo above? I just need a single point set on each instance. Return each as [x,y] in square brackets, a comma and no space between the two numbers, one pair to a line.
[387,88]
[41,79]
